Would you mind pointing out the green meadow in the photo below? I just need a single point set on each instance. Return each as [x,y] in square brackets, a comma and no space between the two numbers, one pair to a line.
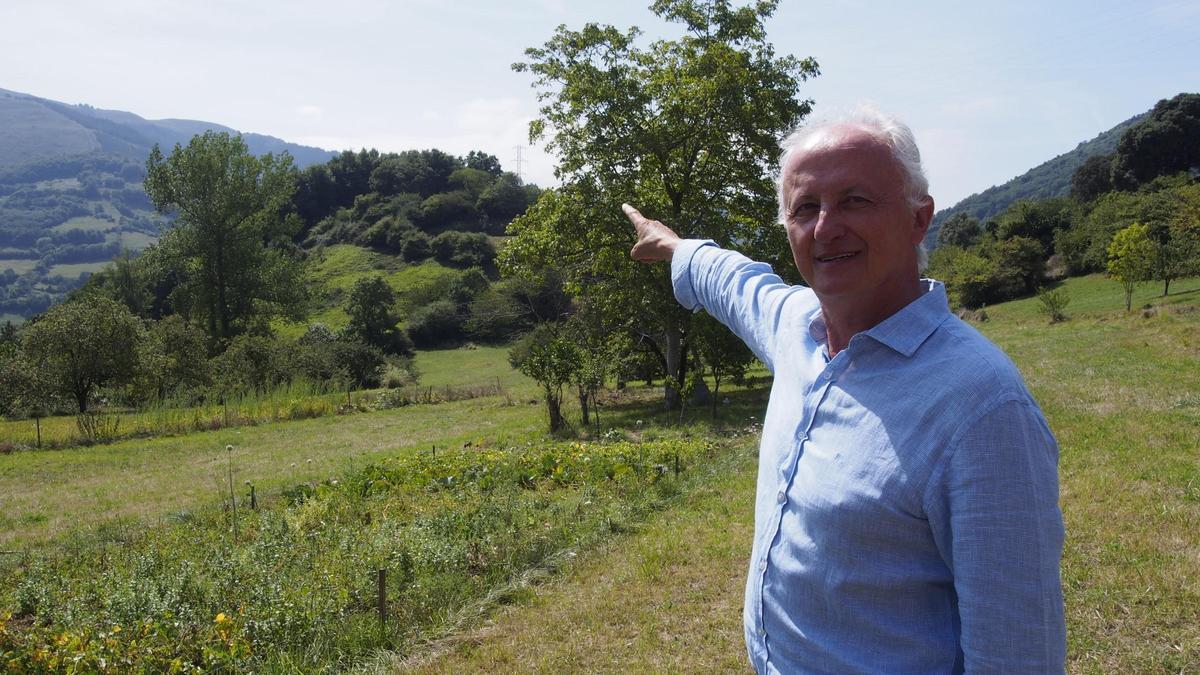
[631,566]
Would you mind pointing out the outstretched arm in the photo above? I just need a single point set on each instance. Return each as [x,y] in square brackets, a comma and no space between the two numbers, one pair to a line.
[744,295]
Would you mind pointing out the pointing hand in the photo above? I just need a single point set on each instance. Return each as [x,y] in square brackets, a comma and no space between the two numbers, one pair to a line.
[656,242]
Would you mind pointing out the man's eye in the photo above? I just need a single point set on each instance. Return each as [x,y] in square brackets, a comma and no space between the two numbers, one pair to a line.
[805,208]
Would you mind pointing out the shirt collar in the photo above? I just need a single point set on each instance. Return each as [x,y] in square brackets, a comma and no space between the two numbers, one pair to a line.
[905,330]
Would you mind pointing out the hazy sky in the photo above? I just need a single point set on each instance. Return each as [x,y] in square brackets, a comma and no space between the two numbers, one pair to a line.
[991,89]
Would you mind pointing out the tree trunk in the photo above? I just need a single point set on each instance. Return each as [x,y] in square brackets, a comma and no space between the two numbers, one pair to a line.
[715,392]
[583,405]
[554,408]
[1166,286]
[676,365]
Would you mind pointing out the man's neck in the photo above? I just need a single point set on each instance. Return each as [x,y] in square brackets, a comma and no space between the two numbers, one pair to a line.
[845,318]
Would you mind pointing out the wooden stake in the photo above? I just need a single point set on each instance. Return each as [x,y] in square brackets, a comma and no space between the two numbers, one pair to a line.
[381,597]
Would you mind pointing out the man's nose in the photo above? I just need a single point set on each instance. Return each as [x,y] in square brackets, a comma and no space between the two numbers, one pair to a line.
[828,225]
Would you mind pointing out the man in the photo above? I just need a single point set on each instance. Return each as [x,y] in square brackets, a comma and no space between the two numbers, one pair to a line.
[907,514]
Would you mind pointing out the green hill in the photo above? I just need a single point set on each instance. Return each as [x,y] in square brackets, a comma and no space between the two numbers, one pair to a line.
[71,195]
[1048,179]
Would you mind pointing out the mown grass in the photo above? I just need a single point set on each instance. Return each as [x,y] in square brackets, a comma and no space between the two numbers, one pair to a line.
[73,270]
[18,265]
[1122,393]
[453,374]
[45,495]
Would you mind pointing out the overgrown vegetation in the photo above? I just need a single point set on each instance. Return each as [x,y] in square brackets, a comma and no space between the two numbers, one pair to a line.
[293,586]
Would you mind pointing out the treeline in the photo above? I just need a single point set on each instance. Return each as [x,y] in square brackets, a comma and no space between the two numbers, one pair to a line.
[192,319]
[1149,184]
[406,203]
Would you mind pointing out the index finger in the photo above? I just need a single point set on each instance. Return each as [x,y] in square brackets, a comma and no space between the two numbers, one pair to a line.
[633,214]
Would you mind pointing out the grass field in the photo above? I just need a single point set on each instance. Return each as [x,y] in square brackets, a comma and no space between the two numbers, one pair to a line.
[337,267]
[85,223]
[18,265]
[1121,391]
[73,270]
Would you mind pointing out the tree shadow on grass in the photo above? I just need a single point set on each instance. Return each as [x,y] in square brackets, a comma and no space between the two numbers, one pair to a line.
[642,407]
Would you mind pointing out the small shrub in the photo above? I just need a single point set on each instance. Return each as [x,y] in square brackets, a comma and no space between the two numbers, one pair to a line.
[1054,304]
[95,427]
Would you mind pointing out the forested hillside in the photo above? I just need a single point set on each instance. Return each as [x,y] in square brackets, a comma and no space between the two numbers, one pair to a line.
[1046,180]
[1133,213]
[71,193]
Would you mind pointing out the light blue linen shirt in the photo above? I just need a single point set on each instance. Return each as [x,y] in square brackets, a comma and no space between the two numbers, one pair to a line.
[907,515]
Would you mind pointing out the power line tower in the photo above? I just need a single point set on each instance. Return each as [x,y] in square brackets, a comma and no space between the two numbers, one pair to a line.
[519,161]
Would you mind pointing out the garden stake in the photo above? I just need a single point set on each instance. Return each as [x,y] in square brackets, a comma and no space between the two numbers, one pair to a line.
[382,600]
[232,497]
[38,422]
[677,464]
[253,499]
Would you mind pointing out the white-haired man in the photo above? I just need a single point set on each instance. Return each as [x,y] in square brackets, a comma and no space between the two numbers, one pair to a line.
[907,515]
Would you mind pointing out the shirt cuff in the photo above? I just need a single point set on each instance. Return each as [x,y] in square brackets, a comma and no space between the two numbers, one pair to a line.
[681,271]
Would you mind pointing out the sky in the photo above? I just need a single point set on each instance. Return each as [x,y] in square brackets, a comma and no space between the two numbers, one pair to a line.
[990,89]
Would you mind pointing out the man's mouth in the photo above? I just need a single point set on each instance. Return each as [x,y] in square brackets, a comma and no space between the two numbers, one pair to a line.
[834,257]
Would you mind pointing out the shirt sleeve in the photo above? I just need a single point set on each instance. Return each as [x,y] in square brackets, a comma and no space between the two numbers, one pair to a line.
[745,295]
[995,518]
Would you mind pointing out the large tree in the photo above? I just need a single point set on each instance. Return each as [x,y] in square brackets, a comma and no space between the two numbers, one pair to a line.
[687,129]
[79,346]
[227,245]
[373,318]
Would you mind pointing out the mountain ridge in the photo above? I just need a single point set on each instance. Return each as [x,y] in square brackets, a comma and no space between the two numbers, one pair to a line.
[25,139]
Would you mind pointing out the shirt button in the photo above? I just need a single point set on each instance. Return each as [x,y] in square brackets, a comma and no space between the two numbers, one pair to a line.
[762,564]
[827,375]
[781,497]
[761,632]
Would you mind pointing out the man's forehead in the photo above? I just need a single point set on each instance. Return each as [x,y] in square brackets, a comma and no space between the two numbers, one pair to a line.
[846,152]
[847,137]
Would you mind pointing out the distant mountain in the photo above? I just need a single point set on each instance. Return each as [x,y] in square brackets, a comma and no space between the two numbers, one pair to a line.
[71,194]
[35,130]
[1049,179]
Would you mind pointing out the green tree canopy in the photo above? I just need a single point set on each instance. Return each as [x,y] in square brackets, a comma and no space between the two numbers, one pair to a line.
[82,345]
[372,316]
[961,229]
[231,208]
[1166,142]
[1131,258]
[687,129]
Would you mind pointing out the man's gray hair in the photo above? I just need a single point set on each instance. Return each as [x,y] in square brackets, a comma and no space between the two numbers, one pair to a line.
[894,133]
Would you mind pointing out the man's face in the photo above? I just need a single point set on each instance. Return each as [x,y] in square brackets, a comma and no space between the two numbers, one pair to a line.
[852,232]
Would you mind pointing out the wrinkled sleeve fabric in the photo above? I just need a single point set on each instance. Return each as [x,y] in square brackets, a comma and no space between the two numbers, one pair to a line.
[996,521]
[745,295]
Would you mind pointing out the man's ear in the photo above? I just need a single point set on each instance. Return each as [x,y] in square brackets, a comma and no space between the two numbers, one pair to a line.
[922,217]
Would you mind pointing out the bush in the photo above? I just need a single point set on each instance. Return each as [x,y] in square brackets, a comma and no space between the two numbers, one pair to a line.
[435,325]
[1054,304]
[463,249]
